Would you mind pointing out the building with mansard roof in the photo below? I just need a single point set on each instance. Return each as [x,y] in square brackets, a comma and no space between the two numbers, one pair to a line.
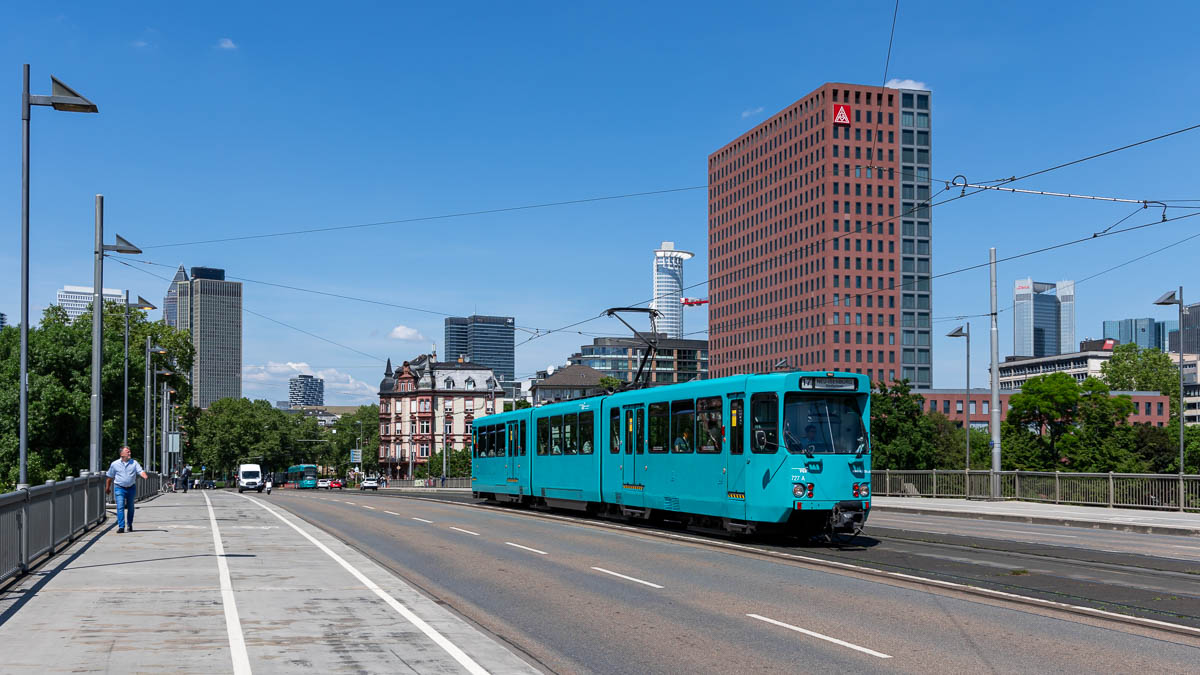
[426,406]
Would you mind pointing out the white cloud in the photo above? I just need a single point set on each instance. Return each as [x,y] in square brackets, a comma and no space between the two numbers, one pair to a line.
[751,112]
[226,43]
[140,44]
[896,83]
[406,334]
[270,382]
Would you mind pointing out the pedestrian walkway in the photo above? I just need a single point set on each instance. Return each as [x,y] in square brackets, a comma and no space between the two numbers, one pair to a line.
[212,581]
[1128,520]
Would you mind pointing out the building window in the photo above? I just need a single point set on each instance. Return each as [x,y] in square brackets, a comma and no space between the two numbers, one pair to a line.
[972,407]
[424,426]
[470,383]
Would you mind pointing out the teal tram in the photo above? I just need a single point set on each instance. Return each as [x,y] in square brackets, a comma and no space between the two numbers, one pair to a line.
[781,452]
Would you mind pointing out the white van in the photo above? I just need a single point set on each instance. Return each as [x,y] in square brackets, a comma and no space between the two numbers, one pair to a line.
[250,478]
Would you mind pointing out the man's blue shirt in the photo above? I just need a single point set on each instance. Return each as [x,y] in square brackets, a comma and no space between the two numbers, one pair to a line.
[124,473]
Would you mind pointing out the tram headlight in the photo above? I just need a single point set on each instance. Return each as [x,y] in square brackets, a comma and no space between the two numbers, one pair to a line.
[798,490]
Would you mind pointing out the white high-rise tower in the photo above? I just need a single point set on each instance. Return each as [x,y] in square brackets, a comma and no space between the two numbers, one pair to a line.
[668,289]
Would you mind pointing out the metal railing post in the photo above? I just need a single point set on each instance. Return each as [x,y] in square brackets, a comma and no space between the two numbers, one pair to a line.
[1057,488]
[1182,492]
[23,532]
[1111,491]
[53,498]
[1017,484]
[935,483]
[887,482]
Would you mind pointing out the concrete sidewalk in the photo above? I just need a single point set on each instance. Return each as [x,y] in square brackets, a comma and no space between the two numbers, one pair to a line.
[1127,520]
[270,594]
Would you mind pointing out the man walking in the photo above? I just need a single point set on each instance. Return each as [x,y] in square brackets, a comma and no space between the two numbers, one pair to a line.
[186,475]
[124,473]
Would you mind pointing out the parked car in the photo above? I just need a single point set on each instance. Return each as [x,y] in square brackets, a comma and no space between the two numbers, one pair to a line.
[369,484]
[209,484]
[337,483]
[323,483]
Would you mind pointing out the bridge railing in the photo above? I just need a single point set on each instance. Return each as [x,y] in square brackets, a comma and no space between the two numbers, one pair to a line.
[1126,490]
[41,520]
[463,482]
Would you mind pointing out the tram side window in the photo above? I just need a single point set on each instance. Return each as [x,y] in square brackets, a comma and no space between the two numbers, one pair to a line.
[475,442]
[556,441]
[543,435]
[709,429]
[521,439]
[587,431]
[570,434]
[660,427]
[614,430]
[485,441]
[497,437]
[764,414]
[737,423]
[683,426]
[640,441]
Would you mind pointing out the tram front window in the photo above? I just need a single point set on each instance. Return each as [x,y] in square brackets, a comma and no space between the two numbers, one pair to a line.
[823,424]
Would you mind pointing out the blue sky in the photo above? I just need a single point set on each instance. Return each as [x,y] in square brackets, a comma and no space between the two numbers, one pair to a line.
[226,119]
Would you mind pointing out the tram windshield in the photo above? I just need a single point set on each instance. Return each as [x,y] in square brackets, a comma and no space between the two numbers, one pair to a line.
[823,424]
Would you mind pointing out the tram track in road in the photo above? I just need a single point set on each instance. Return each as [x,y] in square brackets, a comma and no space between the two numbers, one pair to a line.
[1147,591]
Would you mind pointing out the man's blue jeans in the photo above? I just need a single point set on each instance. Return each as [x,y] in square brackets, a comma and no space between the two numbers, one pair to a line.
[125,497]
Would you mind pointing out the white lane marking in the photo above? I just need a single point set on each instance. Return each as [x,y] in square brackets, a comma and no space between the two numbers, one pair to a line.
[526,548]
[815,634]
[452,649]
[422,520]
[368,507]
[233,624]
[350,503]
[391,513]
[1036,534]
[618,574]
[466,531]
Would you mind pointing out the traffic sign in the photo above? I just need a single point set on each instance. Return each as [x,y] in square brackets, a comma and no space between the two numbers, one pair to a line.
[356,456]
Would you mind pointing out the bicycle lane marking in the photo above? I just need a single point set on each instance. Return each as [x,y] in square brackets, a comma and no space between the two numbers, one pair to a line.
[449,647]
[233,623]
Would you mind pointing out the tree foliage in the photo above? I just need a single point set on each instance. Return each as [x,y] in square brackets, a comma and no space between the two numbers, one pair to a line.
[60,353]
[1132,368]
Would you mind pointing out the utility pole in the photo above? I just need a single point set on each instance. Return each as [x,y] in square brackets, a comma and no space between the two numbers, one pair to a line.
[995,421]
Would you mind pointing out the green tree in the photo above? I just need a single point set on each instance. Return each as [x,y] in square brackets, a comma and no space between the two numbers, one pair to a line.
[521,405]
[60,389]
[458,465]
[610,383]
[1132,368]
[345,435]
[1047,405]
[901,433]
[1099,446]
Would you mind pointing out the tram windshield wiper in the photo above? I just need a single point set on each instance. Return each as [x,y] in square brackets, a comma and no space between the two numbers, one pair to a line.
[790,439]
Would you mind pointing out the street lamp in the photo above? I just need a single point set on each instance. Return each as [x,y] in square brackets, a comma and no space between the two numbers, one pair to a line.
[66,99]
[1170,298]
[959,332]
[122,246]
[141,303]
[159,372]
[148,395]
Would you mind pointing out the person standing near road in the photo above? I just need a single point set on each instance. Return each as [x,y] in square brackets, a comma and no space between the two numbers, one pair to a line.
[186,475]
[124,473]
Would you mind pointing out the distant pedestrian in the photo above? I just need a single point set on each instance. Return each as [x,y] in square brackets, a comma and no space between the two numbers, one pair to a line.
[124,473]
[443,480]
[186,475]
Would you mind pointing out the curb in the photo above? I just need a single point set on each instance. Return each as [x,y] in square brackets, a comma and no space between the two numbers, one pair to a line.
[1045,520]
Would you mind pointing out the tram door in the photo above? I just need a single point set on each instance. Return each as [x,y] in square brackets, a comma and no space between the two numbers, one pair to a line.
[736,460]
[515,445]
[632,457]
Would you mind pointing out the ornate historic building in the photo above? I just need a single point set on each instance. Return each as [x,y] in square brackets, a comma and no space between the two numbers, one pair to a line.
[427,405]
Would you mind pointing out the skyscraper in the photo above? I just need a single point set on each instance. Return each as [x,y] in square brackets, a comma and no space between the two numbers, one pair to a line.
[668,289]
[1191,331]
[306,390]
[77,299]
[1043,318]
[3,320]
[1146,333]
[486,340]
[820,238]
[171,300]
[210,308]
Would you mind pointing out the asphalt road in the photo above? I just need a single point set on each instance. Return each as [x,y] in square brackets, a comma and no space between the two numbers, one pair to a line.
[580,598]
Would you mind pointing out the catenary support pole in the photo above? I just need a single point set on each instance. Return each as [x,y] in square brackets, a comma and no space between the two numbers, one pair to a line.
[147,392]
[995,421]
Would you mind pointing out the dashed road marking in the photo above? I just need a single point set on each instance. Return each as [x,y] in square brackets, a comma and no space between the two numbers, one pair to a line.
[391,513]
[368,507]
[422,520]
[815,634]
[534,550]
[475,534]
[618,574]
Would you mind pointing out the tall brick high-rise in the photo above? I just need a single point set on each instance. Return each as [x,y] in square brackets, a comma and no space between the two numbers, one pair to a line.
[819,238]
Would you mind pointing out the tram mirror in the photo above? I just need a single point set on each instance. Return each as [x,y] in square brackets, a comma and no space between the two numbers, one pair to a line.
[760,438]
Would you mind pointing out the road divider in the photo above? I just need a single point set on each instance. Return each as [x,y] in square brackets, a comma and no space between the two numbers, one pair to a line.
[233,623]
